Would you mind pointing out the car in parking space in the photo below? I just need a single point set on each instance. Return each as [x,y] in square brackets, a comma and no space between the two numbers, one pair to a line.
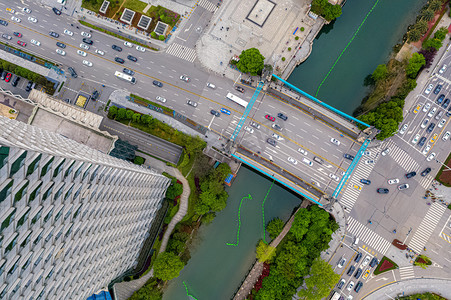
[292,160]
[433,139]
[385,152]
[446,136]
[426,171]
[54,34]
[429,89]
[225,111]
[448,113]
[161,99]
[8,77]
[248,129]
[22,43]
[3,22]
[367,273]
[374,262]
[350,286]
[61,52]
[369,161]
[184,78]
[56,11]
[340,284]
[129,72]
[440,99]
[282,116]
[68,32]
[85,34]
[307,162]
[432,112]
[87,63]
[88,41]
[350,270]
[431,156]
[82,53]
[445,103]
[442,69]
[15,81]
[438,89]
[255,125]
[271,142]
[269,117]
[18,20]
[132,58]
[430,128]
[302,151]
[334,141]
[426,149]
[439,115]
[3,75]
[18,34]
[117,48]
[84,46]
[417,109]
[426,107]
[415,139]
[403,186]
[10,10]
[358,257]
[422,141]
[393,181]
[365,181]
[158,84]
[119,60]
[348,156]
[276,127]
[424,123]
[192,103]
[128,44]
[140,48]
[239,89]
[29,86]
[215,113]
[358,287]
[341,262]
[100,52]
[32,19]
[357,187]
[72,72]
[442,122]
[6,37]
[34,42]
[411,174]
[61,45]
[358,273]
[382,191]
[403,129]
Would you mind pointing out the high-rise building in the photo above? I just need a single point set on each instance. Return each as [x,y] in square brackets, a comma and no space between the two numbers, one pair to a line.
[71,218]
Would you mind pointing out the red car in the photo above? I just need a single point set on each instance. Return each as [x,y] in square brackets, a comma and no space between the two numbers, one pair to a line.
[23,44]
[8,77]
[18,34]
[268,117]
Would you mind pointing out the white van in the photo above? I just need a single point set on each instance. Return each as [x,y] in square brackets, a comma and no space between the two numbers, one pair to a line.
[307,162]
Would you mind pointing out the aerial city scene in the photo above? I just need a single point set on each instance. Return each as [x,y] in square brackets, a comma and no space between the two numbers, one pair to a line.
[225,149]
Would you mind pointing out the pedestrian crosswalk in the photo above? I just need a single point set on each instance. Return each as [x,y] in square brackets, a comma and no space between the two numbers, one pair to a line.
[367,236]
[426,181]
[401,157]
[406,272]
[426,227]
[182,52]
[208,5]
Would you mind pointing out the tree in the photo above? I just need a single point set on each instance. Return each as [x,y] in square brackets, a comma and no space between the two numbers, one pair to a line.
[129,114]
[320,281]
[149,291]
[441,33]
[265,252]
[432,43]
[274,227]
[422,26]
[167,266]
[139,160]
[380,73]
[112,112]
[414,35]
[121,114]
[326,10]
[435,5]
[208,218]
[251,61]
[300,224]
[415,63]
[174,190]
[428,14]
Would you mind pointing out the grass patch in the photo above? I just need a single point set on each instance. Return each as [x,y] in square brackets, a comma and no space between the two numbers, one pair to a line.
[193,198]
[61,86]
[135,5]
[92,5]
[385,265]
[441,171]
[435,25]
[424,296]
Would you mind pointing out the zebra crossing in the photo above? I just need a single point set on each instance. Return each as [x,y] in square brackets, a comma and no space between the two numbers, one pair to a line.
[406,272]
[426,181]
[426,227]
[182,52]
[207,5]
[368,236]
[401,157]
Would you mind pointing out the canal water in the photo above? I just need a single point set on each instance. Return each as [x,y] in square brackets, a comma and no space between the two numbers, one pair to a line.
[216,269]
[372,45]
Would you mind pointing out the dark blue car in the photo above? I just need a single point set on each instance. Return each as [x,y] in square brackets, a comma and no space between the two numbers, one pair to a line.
[440,99]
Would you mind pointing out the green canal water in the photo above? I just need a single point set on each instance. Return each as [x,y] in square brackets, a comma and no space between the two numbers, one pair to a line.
[217,269]
[371,46]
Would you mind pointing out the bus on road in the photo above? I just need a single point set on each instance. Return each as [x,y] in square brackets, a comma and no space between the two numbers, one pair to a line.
[237,100]
[125,77]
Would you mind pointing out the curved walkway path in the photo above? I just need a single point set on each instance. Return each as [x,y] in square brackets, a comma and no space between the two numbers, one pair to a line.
[124,290]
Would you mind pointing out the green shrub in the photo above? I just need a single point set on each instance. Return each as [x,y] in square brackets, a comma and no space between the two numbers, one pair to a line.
[289,48]
[174,191]
[283,58]
[153,34]
[161,37]
[302,28]
[139,160]
[297,38]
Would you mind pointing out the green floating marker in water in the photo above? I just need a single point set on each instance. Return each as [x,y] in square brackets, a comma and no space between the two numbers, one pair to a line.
[187,293]
[239,221]
[263,213]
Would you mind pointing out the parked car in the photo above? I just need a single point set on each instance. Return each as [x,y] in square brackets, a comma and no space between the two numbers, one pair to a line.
[192,103]
[350,270]
[429,89]
[129,72]
[6,37]
[157,83]
[374,262]
[437,89]
[426,149]
[348,156]
[341,262]
[56,11]
[431,156]
[215,113]
[403,129]
[422,141]
[268,117]
[440,99]
[248,129]
[403,186]
[29,86]
[445,103]
[4,74]
[358,257]
[72,72]
[442,69]
[8,77]
[340,284]
[446,136]
[358,273]
[61,45]
[358,287]
[442,123]
[271,142]
[54,34]
[350,286]
[15,81]
[424,123]
[18,34]
[426,106]
[88,41]
[85,34]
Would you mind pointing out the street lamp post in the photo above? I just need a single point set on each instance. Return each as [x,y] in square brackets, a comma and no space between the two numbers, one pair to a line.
[447,168]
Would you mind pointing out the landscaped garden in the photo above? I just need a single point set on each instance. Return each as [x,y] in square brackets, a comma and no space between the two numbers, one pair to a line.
[385,265]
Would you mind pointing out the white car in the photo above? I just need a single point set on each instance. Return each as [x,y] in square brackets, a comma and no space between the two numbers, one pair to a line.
[334,141]
[431,156]
[82,53]
[211,85]
[84,46]
[27,10]
[87,63]
[426,107]
[100,52]
[432,112]
[139,48]
[429,89]
[369,162]
[292,160]
[248,129]
[393,181]
[302,151]
[403,186]
[341,262]
[426,149]
[442,122]
[365,262]
[424,123]
[443,69]
[334,177]
[385,152]
[415,139]
[446,136]
[403,129]
[128,44]
[15,19]
[61,52]
[34,42]
[350,286]
[85,34]
[32,19]
[68,32]
[184,78]
[161,99]
[307,162]
[276,136]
